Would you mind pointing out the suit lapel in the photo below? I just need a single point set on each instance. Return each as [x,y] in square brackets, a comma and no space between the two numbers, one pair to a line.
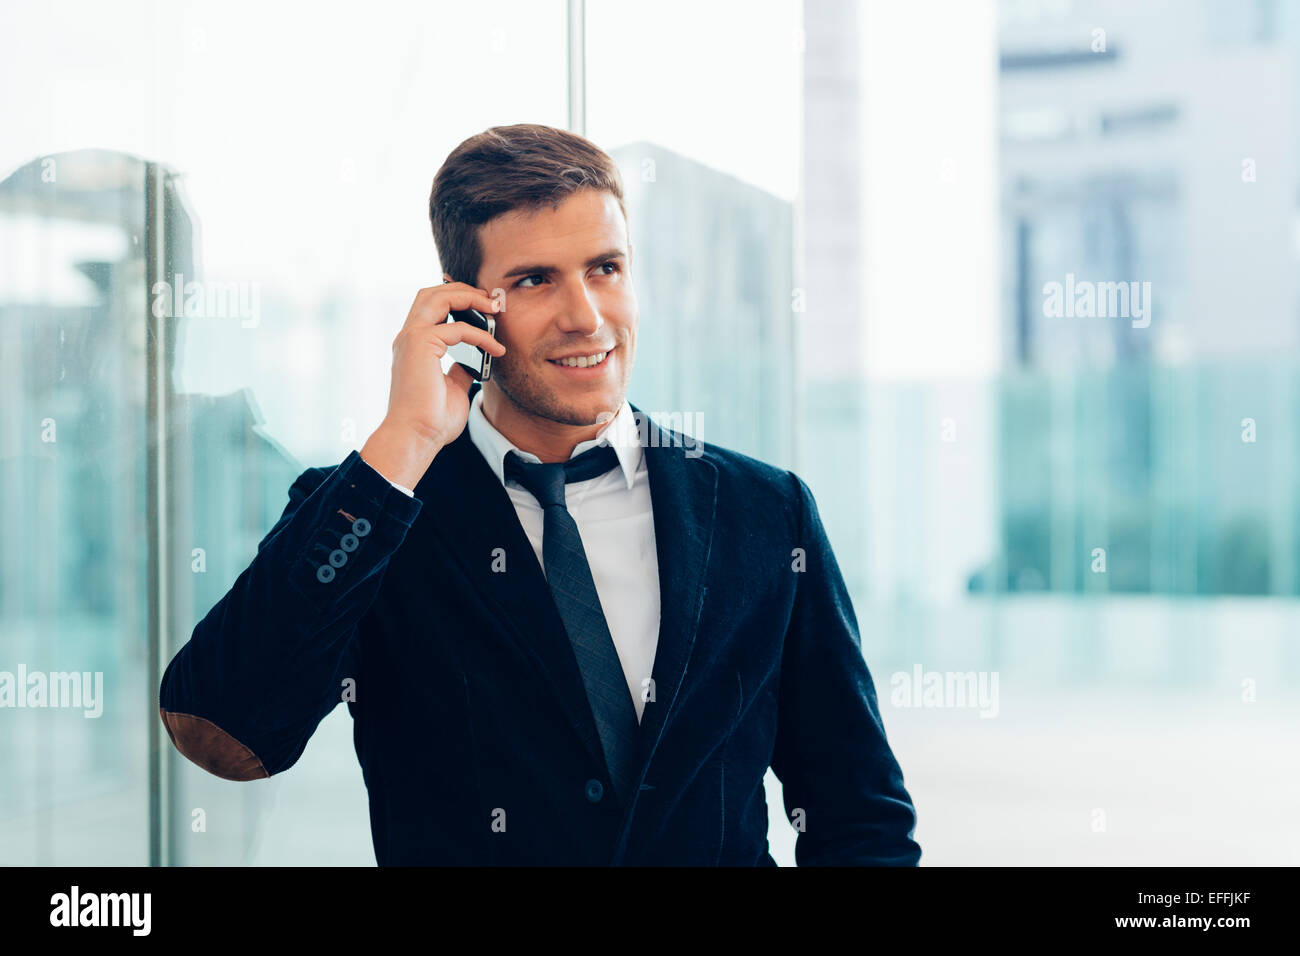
[683,493]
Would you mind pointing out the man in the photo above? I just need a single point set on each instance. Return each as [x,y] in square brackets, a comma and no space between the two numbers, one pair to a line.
[565,634]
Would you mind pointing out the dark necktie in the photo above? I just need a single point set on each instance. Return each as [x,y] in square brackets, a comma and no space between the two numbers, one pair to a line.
[569,577]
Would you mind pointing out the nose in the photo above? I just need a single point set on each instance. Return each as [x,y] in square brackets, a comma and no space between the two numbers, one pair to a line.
[578,313]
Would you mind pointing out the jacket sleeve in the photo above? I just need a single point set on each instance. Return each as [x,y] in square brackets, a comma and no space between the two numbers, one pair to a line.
[831,754]
[269,661]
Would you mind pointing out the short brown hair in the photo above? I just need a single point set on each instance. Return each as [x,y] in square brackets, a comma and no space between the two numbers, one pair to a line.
[504,168]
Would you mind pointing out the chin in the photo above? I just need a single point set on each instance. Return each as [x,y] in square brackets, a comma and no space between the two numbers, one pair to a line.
[587,411]
[590,414]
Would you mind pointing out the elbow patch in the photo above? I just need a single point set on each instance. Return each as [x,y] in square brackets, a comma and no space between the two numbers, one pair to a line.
[204,743]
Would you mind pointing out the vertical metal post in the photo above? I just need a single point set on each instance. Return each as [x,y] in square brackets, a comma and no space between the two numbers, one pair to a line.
[158,347]
[577,62]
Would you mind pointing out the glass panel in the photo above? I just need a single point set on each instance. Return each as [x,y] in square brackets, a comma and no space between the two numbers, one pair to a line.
[73,670]
[306,143]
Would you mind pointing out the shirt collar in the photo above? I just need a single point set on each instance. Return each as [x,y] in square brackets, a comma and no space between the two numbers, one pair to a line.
[621,433]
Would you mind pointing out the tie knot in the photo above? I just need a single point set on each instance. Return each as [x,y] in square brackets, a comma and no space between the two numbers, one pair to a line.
[546,480]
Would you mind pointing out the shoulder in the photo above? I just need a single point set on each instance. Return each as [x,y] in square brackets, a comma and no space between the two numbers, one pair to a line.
[741,477]
[313,477]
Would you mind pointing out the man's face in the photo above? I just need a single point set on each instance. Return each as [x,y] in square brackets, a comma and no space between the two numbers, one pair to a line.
[568,291]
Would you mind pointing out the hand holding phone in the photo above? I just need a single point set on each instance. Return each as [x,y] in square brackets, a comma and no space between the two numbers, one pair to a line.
[473,359]
[428,408]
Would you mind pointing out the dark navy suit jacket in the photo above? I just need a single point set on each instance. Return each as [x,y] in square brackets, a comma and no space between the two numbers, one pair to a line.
[476,742]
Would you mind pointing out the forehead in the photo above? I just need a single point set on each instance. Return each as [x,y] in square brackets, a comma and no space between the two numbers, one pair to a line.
[585,223]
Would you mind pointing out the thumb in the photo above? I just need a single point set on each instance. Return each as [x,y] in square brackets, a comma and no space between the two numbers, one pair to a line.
[460,377]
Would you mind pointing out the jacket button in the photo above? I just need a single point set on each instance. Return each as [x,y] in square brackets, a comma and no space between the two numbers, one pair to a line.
[595,791]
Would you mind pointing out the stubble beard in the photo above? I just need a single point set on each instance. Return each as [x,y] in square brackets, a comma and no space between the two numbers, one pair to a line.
[532,396]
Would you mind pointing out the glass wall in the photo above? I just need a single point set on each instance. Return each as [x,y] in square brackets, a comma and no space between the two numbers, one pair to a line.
[304,148]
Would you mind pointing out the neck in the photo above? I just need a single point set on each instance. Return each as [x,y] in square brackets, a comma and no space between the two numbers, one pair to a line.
[549,440]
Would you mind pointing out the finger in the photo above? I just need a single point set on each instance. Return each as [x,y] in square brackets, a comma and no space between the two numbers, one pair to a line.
[449,333]
[433,290]
[433,308]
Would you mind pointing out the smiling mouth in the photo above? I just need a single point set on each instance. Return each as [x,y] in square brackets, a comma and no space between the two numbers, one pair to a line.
[593,360]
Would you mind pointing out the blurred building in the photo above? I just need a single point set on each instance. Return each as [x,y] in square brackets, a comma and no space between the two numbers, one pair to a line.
[712,264]
[1152,144]
[830,348]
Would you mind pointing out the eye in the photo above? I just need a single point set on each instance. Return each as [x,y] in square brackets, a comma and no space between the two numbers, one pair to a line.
[612,265]
[535,275]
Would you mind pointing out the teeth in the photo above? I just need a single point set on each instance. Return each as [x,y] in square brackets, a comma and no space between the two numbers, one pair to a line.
[583,361]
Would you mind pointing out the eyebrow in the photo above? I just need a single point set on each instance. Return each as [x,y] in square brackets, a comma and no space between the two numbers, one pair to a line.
[551,270]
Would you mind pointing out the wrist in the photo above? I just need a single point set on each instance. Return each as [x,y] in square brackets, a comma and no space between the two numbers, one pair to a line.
[398,454]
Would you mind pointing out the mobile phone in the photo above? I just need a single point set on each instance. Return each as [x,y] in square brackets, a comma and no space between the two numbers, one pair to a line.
[470,357]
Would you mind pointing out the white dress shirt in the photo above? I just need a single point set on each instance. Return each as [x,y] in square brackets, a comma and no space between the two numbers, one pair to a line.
[616,522]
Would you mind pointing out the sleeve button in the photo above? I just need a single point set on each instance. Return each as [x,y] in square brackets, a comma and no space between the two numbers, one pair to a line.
[324,574]
[338,558]
[361,527]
